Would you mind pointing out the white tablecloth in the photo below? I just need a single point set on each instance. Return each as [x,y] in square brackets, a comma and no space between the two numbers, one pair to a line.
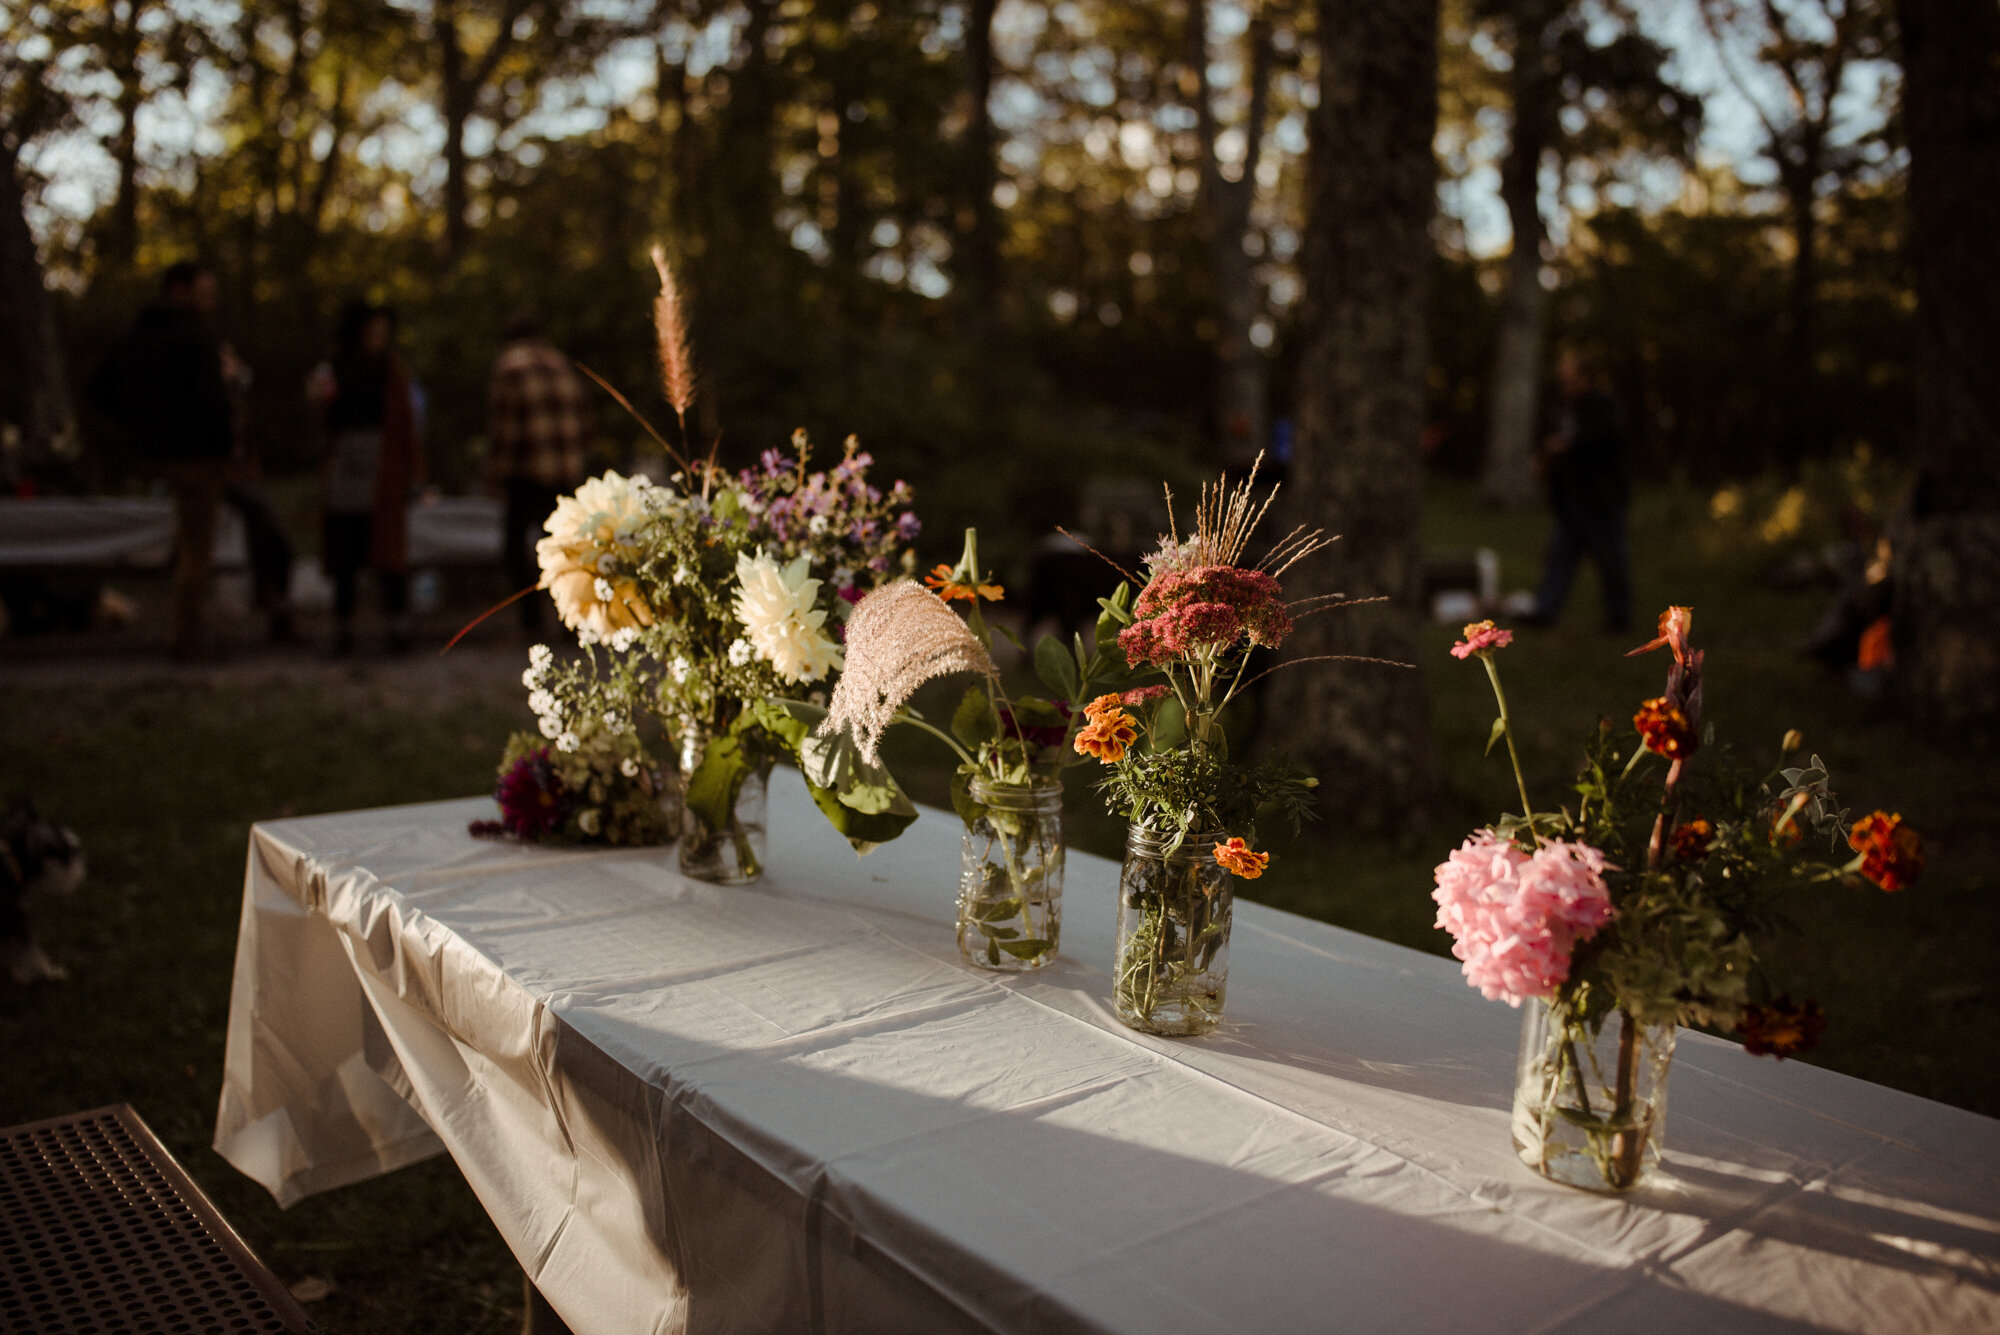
[788,1107]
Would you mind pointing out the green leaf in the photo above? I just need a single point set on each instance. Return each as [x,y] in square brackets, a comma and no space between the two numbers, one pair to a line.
[713,787]
[998,910]
[1055,667]
[861,801]
[1493,737]
[993,952]
[1003,935]
[972,722]
[1009,636]
[1023,950]
[962,801]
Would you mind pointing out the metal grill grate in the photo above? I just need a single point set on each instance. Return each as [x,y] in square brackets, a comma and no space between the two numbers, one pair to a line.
[101,1231]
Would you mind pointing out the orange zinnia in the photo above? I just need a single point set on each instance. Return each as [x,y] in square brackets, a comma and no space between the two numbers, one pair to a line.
[1892,854]
[1107,736]
[1237,859]
[951,590]
[1665,729]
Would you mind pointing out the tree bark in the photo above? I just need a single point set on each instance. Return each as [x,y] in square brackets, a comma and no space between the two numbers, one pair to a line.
[978,217]
[1948,567]
[1507,478]
[1364,728]
[50,418]
[1242,376]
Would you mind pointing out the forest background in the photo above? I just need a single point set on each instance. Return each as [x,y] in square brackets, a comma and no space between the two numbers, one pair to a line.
[1010,245]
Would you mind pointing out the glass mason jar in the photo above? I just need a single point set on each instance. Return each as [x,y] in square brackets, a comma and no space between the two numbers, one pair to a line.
[1590,1096]
[1173,934]
[733,852]
[1010,876]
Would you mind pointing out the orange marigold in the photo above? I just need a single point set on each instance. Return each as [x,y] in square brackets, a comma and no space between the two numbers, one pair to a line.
[951,590]
[1782,1029]
[1107,736]
[1237,859]
[1102,705]
[1665,729]
[1892,854]
[1692,840]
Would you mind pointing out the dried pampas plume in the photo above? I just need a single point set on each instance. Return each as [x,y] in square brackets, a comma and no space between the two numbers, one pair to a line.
[899,637]
[670,325]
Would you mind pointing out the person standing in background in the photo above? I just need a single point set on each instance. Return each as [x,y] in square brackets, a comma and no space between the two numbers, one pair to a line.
[1584,462]
[537,428]
[373,464]
[165,385]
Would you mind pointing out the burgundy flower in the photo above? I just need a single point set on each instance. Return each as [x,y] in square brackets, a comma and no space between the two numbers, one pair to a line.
[532,802]
[1782,1029]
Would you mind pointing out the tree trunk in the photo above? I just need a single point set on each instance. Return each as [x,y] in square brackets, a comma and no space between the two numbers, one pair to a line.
[49,420]
[1364,728]
[1242,376]
[121,249]
[455,106]
[1948,566]
[978,217]
[1514,397]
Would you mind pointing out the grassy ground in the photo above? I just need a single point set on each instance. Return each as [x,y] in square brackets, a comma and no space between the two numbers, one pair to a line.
[163,771]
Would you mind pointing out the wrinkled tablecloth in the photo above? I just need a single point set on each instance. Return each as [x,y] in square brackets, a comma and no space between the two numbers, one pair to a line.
[788,1107]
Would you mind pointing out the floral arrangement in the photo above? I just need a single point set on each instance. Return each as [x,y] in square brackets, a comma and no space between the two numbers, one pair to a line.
[1008,746]
[1200,618]
[1643,903]
[703,602]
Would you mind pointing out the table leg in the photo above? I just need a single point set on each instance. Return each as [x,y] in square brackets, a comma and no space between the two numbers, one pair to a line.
[540,1318]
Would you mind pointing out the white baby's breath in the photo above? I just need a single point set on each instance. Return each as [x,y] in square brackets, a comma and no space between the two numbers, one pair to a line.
[551,726]
[629,767]
[568,743]
[739,652]
[624,638]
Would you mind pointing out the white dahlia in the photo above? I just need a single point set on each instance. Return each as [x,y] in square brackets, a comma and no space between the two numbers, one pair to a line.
[591,533]
[775,605]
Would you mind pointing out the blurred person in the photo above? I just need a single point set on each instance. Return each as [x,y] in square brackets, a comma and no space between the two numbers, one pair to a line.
[165,385]
[537,427]
[1583,460]
[373,464]
[270,550]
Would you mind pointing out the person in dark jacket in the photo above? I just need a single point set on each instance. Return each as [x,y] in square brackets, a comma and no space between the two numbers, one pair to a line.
[1584,463]
[373,463]
[165,385]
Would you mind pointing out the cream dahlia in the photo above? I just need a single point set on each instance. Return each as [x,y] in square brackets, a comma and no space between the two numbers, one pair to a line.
[775,605]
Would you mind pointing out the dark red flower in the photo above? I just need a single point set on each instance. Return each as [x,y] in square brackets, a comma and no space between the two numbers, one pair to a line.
[531,798]
[1665,729]
[1183,612]
[1892,854]
[1692,840]
[1782,1029]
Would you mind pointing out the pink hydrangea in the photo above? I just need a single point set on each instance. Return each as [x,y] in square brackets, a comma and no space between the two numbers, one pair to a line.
[1515,917]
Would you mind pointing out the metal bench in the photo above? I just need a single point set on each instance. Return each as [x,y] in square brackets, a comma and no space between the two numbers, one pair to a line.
[101,1231]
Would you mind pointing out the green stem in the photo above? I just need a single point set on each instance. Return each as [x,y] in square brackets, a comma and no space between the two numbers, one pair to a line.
[903,716]
[1507,728]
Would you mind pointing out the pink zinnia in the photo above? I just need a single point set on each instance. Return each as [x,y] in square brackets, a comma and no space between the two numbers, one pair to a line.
[1482,637]
[1515,917]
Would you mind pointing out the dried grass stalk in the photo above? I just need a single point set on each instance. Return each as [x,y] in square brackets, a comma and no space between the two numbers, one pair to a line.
[670,327]
[899,637]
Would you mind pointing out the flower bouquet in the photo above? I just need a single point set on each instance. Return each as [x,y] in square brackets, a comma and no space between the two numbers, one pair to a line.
[1638,911]
[589,775]
[702,602]
[1012,749]
[1194,810]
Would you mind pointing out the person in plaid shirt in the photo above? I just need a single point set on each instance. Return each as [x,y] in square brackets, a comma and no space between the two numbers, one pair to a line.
[537,425]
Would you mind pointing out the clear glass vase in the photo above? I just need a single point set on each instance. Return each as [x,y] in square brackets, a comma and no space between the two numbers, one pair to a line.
[1010,877]
[1173,934]
[731,853]
[1590,1096]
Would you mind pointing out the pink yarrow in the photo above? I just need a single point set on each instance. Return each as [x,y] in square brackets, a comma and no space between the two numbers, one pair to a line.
[1515,917]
